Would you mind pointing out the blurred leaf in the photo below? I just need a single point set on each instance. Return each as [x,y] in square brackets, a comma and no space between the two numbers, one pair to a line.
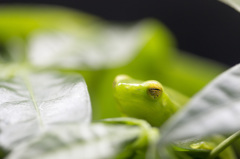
[22,20]
[13,50]
[77,141]
[19,22]
[149,133]
[147,140]
[117,138]
[200,148]
[30,103]
[102,46]
[64,38]
[214,110]
[233,3]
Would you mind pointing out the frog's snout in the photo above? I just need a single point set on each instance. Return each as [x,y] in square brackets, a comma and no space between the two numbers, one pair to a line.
[119,78]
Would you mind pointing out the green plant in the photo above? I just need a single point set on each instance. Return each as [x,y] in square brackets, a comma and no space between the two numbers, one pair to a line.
[45,107]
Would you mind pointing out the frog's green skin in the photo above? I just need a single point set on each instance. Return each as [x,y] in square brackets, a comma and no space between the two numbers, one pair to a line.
[154,103]
[146,100]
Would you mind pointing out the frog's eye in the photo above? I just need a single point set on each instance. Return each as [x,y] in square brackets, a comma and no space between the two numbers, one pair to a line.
[154,89]
[154,92]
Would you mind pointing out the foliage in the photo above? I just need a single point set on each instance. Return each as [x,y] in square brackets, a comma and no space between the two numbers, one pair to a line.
[45,109]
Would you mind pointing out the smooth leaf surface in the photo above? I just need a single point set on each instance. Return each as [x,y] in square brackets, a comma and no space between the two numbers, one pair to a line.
[215,109]
[117,138]
[30,103]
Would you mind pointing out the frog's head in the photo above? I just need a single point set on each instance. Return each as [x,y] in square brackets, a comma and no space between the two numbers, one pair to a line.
[129,88]
[139,99]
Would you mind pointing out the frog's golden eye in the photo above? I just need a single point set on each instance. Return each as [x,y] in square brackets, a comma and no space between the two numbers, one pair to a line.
[154,89]
[154,92]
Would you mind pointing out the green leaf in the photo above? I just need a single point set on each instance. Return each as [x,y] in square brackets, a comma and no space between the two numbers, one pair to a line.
[20,22]
[149,134]
[201,148]
[43,39]
[215,109]
[117,138]
[103,46]
[233,3]
[30,103]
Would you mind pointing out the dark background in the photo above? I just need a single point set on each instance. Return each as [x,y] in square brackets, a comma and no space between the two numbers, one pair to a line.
[207,28]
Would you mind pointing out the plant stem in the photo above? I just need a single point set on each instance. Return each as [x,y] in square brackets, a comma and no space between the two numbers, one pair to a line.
[223,145]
